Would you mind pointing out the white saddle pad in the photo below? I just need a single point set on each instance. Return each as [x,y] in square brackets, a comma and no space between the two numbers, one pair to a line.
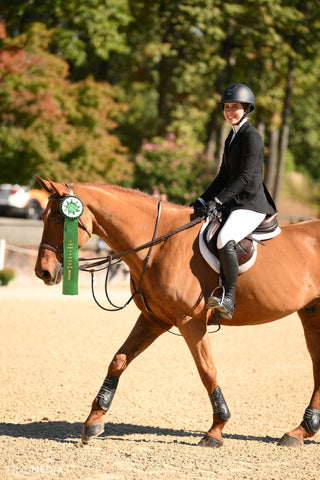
[213,261]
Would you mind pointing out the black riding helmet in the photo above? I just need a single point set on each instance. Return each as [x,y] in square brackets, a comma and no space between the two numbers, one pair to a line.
[239,93]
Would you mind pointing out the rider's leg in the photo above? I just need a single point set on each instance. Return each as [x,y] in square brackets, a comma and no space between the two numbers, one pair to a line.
[229,276]
[239,224]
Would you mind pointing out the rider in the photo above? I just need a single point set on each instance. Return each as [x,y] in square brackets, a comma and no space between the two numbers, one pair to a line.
[238,190]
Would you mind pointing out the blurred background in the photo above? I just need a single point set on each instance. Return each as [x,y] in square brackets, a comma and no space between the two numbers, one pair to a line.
[126,92]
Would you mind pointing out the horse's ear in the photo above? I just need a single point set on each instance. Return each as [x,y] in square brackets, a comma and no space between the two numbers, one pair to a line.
[44,184]
[53,188]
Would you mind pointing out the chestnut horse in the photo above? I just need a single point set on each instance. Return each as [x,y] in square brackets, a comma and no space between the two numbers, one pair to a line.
[177,282]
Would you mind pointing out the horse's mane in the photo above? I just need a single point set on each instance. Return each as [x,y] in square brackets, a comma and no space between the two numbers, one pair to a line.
[130,191]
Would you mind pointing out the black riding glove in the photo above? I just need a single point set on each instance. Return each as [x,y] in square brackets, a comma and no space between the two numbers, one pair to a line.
[210,209]
[199,208]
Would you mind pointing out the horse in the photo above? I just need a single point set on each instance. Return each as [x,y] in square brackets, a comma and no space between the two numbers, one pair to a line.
[177,282]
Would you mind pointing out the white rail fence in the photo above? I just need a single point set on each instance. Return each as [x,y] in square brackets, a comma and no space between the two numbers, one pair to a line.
[5,246]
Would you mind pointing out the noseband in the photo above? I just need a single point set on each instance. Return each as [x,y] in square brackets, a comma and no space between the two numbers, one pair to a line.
[53,248]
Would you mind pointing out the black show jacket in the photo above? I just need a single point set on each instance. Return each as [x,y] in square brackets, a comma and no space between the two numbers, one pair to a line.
[239,183]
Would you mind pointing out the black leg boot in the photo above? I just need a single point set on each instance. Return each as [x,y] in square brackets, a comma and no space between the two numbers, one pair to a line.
[229,275]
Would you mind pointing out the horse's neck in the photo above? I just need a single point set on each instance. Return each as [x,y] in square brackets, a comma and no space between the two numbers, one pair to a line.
[124,218]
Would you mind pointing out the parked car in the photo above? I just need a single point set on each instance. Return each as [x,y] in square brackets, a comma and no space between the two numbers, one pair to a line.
[17,200]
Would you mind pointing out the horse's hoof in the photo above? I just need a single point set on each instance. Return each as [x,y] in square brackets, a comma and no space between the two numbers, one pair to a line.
[212,442]
[289,441]
[91,431]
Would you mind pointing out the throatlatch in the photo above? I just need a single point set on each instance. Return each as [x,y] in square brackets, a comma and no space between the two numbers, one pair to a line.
[106,393]
[311,418]
[219,405]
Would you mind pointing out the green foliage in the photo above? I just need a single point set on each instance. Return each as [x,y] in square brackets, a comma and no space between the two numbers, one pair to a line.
[174,52]
[6,275]
[305,139]
[51,126]
[168,61]
[169,166]
[84,32]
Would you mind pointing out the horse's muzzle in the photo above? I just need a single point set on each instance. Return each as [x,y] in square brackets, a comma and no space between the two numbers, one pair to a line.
[48,277]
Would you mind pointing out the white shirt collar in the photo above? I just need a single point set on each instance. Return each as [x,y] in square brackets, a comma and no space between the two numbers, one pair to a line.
[236,128]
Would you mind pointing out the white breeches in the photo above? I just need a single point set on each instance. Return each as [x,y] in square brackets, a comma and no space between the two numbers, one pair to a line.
[238,225]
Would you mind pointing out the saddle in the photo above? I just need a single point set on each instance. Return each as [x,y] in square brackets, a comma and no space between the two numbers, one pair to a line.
[246,249]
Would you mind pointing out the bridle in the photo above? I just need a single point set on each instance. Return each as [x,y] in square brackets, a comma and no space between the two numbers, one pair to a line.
[53,248]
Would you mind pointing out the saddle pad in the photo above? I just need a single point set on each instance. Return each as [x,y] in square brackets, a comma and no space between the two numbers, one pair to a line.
[213,261]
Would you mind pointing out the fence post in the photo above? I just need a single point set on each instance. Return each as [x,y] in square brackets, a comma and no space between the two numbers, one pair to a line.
[2,252]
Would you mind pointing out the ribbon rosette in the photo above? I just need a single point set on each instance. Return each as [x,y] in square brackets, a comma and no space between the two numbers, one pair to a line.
[71,208]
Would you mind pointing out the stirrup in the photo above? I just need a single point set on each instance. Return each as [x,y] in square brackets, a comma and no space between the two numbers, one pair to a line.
[213,301]
[218,304]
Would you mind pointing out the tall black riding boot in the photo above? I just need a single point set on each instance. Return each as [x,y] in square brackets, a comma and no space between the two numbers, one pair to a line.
[229,275]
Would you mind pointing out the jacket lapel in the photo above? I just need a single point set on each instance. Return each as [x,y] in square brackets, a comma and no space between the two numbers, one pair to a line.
[236,139]
[228,140]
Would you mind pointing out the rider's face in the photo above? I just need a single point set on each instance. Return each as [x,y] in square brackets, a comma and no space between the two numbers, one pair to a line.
[233,112]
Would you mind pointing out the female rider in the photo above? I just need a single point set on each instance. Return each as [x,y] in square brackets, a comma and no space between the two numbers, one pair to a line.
[238,189]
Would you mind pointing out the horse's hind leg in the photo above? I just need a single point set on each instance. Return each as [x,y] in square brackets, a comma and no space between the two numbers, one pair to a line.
[310,424]
[142,335]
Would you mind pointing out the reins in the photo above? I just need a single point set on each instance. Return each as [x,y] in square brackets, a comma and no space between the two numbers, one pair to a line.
[101,263]
[106,263]
[154,241]
[91,268]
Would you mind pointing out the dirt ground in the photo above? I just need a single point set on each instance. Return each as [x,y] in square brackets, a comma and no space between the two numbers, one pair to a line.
[54,351]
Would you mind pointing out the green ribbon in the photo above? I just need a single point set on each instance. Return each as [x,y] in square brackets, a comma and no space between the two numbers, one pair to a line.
[70,257]
[71,208]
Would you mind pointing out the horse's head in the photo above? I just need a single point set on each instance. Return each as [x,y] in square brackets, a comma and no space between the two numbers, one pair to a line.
[50,255]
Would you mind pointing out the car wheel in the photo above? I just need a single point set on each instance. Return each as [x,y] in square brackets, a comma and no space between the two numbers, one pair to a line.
[33,210]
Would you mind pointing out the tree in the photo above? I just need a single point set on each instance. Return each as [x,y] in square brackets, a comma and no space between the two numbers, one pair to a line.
[170,167]
[51,126]
[171,61]
[84,32]
[173,57]
[304,140]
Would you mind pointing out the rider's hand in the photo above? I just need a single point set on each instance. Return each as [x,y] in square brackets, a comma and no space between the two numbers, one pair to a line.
[199,208]
[212,209]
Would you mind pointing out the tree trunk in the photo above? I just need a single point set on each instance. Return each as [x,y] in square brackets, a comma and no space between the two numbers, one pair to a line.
[164,87]
[261,128]
[270,173]
[227,48]
[285,130]
[211,145]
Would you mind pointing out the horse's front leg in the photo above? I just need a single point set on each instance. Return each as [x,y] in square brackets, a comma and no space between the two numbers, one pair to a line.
[142,335]
[195,334]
